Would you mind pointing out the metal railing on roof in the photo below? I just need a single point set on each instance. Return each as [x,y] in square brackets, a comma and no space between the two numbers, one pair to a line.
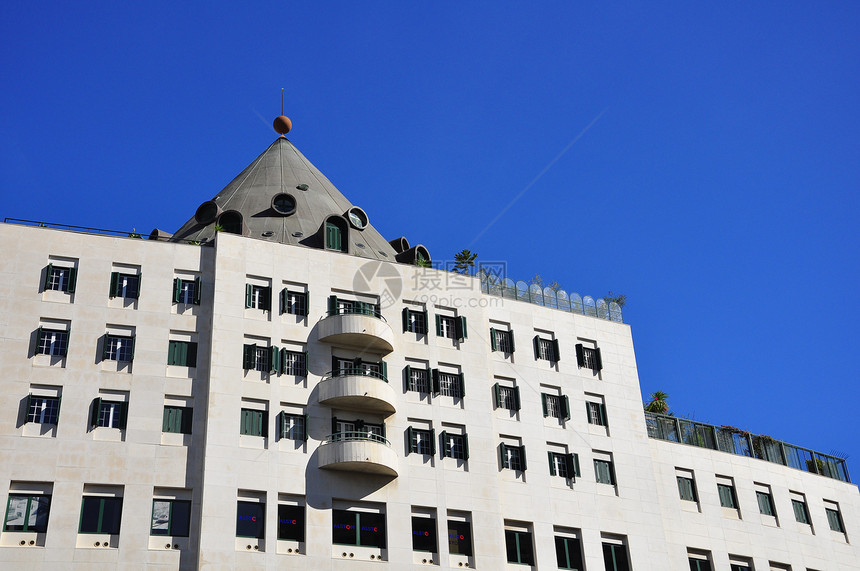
[736,441]
[89,230]
[549,297]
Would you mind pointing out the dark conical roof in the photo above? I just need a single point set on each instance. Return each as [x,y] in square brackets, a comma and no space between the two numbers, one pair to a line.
[282,197]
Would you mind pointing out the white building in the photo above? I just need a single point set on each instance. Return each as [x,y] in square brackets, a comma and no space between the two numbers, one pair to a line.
[293,390]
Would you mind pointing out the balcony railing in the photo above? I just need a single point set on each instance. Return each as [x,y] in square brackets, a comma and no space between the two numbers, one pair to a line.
[549,297]
[364,309]
[354,372]
[358,451]
[734,441]
[354,435]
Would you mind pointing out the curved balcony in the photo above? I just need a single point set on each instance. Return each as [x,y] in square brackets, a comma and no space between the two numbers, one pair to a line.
[358,390]
[358,452]
[366,330]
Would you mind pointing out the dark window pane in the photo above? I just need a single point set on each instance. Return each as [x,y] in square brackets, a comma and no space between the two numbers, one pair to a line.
[344,531]
[180,519]
[372,529]
[291,522]
[511,546]
[568,553]
[424,534]
[459,537]
[111,515]
[250,519]
[90,509]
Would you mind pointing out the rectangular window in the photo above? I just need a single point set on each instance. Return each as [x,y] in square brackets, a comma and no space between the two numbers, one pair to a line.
[171,517]
[250,519]
[765,503]
[177,419]
[699,564]
[414,321]
[59,278]
[513,457]
[418,379]
[727,495]
[588,357]
[291,522]
[260,358]
[459,537]
[186,291]
[182,353]
[258,297]
[546,349]
[518,545]
[556,406]
[801,515]
[118,348]
[455,445]
[124,285]
[563,465]
[603,471]
[52,342]
[294,363]
[421,441]
[108,414]
[100,514]
[43,410]
[451,327]
[333,237]
[448,384]
[424,534]
[358,528]
[294,302]
[507,397]
[615,557]
[739,567]
[834,519]
[596,413]
[568,553]
[687,488]
[337,306]
[254,422]
[27,512]
[293,426]
[502,340]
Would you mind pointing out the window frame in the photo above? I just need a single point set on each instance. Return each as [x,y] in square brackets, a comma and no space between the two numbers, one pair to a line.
[448,384]
[186,292]
[507,395]
[546,349]
[177,419]
[616,551]
[589,357]
[66,285]
[286,432]
[569,460]
[430,533]
[118,416]
[596,413]
[559,410]
[28,514]
[732,497]
[520,539]
[687,488]
[31,403]
[516,460]
[99,527]
[58,346]
[359,527]
[502,340]
[834,519]
[114,350]
[253,422]
[258,297]
[414,321]
[181,353]
[462,533]
[600,474]
[765,507]
[259,509]
[299,521]
[564,558]
[449,447]
[186,505]
[421,441]
[119,288]
[294,302]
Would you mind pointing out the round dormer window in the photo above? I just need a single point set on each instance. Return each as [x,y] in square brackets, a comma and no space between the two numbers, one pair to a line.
[284,204]
[357,218]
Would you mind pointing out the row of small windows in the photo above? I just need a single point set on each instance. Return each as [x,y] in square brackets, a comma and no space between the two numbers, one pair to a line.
[451,327]
[55,342]
[764,498]
[546,349]
[124,285]
[104,413]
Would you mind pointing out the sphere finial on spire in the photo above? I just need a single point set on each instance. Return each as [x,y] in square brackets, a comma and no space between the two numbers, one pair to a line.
[282,124]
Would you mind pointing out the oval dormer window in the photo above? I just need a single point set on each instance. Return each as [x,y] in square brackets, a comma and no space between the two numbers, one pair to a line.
[284,204]
[357,218]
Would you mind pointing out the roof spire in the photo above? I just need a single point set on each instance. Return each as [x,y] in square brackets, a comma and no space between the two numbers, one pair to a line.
[282,124]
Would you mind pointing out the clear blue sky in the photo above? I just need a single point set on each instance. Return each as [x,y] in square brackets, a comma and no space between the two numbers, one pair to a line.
[716,186]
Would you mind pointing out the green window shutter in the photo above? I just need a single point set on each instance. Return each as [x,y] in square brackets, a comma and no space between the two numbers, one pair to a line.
[282,300]
[556,351]
[304,369]
[523,457]
[602,410]
[726,498]
[49,269]
[588,412]
[123,415]
[572,466]
[460,328]
[105,346]
[275,364]
[264,419]
[59,406]
[27,410]
[446,446]
[133,339]
[543,403]
[462,385]
[612,473]
[434,375]
[139,282]
[305,428]
[114,283]
[426,322]
[579,357]
[177,289]
[38,341]
[438,325]
[307,308]
[599,360]
[511,337]
[497,397]
[551,464]
[172,350]
[281,425]
[249,356]
[73,280]
[267,298]
[94,412]
[576,465]
[405,314]
[465,446]
[249,294]
[536,344]
[197,290]
[166,419]
[494,344]
[516,398]
[503,451]
[332,305]
[566,403]
[407,378]
[433,441]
